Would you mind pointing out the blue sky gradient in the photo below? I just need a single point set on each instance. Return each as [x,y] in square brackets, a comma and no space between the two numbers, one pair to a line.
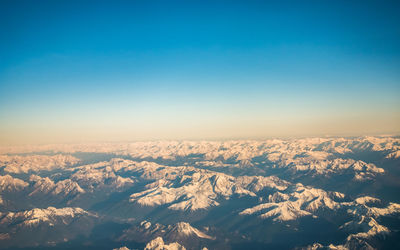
[136,70]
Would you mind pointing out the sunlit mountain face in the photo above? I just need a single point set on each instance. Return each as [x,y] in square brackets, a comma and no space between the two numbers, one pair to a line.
[310,193]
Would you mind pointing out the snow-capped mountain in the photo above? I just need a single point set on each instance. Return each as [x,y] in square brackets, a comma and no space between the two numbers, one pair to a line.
[33,163]
[97,175]
[296,201]
[182,233]
[201,189]
[365,227]
[38,216]
[315,166]
[316,193]
[158,244]
[214,150]
[10,184]
[47,226]
[47,186]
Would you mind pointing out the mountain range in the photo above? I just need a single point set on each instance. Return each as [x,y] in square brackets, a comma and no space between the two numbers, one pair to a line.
[308,193]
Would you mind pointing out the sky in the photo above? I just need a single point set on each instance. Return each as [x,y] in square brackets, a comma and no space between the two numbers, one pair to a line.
[91,71]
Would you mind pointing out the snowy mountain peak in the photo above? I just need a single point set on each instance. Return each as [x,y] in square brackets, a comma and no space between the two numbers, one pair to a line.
[47,186]
[9,183]
[366,200]
[185,229]
[48,215]
[158,244]
[296,201]
[365,227]
[34,163]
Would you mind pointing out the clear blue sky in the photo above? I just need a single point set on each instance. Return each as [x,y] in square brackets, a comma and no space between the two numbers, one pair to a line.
[137,70]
